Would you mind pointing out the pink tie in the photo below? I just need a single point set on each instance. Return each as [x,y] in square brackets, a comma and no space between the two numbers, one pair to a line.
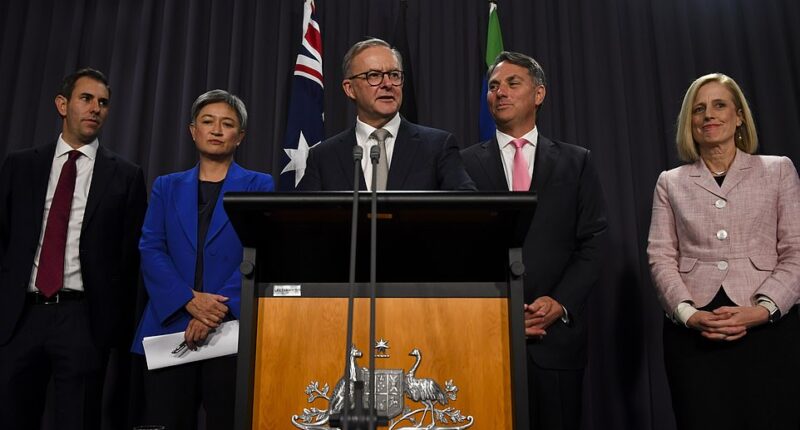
[521,179]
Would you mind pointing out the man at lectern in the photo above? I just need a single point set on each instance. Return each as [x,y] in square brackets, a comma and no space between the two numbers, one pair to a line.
[562,253]
[412,157]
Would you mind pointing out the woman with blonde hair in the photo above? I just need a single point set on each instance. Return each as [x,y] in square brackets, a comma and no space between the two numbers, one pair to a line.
[724,252]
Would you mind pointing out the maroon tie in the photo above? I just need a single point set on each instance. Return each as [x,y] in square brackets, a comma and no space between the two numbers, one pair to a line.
[50,277]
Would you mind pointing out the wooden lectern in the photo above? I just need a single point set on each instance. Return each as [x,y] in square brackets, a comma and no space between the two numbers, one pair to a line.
[449,322]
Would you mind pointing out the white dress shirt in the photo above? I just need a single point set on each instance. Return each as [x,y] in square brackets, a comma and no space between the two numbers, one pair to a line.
[507,150]
[85,168]
[363,139]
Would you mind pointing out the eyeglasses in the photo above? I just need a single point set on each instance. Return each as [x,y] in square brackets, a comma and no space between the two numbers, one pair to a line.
[374,77]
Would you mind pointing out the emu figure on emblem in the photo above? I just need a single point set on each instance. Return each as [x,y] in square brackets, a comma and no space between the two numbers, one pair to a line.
[423,390]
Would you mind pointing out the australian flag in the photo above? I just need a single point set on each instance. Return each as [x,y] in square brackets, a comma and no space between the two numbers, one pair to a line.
[304,127]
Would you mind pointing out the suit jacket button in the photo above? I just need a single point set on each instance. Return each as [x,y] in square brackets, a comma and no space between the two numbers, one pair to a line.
[722,235]
[722,265]
[721,203]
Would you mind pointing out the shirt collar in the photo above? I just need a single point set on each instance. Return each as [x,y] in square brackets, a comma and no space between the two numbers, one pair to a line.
[504,139]
[90,150]
[364,130]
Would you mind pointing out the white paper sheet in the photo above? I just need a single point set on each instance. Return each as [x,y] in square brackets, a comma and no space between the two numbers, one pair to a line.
[224,340]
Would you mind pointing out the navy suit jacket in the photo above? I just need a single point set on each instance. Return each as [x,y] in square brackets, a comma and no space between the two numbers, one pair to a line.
[423,159]
[169,250]
[108,254]
[562,252]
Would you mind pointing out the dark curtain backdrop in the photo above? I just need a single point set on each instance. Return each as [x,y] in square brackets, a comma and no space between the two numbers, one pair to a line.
[617,72]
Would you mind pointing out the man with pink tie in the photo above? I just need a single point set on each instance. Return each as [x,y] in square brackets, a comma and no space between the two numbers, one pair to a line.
[562,253]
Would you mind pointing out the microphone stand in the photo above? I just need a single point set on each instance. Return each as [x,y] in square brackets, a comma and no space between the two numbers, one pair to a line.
[359,420]
[374,155]
[344,423]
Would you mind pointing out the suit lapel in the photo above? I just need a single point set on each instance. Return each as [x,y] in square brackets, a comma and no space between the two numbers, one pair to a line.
[491,162]
[344,155]
[105,164]
[234,181]
[543,164]
[702,177]
[40,176]
[405,148]
[740,168]
[185,204]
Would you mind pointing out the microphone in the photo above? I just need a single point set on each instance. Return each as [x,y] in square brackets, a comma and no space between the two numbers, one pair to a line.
[374,155]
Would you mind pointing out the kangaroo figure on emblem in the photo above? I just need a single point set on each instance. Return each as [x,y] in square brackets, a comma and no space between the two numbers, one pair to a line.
[337,399]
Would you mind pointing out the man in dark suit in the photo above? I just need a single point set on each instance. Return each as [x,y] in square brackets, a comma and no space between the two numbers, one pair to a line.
[70,218]
[413,157]
[563,249]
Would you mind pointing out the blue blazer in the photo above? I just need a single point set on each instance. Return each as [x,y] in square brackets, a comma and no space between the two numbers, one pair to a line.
[169,250]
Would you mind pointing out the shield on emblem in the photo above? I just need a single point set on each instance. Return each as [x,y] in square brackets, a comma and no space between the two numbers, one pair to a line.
[389,399]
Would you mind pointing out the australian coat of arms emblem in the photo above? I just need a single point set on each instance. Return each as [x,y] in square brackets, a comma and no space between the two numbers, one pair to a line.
[429,403]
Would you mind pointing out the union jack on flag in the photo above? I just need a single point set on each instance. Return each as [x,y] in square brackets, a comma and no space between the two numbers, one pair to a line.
[304,126]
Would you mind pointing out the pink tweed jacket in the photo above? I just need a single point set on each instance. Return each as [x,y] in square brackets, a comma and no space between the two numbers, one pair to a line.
[743,236]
